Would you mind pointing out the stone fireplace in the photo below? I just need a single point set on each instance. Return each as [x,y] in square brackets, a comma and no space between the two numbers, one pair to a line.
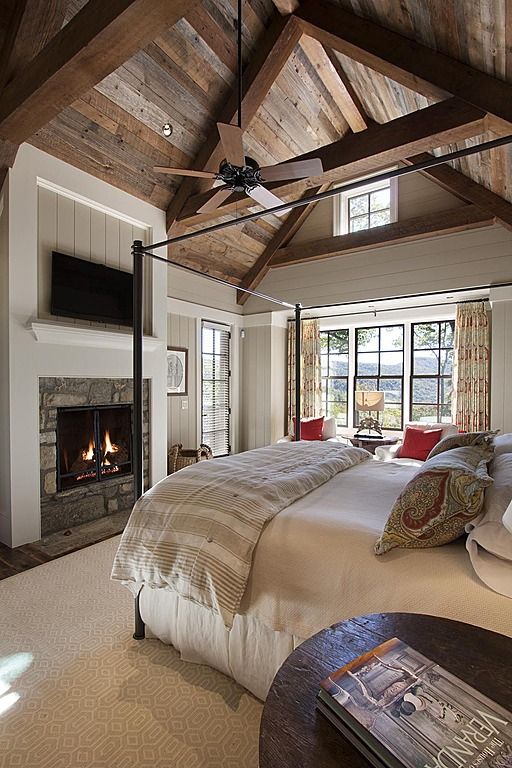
[86,449]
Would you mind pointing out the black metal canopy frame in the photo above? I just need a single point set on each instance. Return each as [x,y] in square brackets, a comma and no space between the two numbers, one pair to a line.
[139,251]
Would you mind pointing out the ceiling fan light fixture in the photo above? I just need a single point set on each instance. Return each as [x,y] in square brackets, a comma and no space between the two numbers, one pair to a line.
[167,129]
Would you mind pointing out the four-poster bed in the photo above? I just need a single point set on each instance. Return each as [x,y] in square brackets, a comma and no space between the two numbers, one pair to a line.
[256,620]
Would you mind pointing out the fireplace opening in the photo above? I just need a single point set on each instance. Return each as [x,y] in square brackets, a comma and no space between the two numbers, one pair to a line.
[93,444]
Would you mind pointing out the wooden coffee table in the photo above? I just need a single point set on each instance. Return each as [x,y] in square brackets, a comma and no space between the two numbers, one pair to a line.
[294,734]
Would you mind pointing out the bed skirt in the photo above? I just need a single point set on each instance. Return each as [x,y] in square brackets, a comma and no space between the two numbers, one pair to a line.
[250,653]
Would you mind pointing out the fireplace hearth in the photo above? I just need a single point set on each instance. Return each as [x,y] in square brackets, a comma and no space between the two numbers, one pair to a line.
[93,444]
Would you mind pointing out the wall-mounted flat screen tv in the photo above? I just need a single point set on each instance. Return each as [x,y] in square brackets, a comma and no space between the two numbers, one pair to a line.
[89,291]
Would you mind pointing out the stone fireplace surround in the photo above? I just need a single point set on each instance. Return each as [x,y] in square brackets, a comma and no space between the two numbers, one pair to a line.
[64,509]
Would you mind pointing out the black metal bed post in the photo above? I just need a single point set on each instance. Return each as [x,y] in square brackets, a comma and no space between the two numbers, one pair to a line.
[138,461]
[298,371]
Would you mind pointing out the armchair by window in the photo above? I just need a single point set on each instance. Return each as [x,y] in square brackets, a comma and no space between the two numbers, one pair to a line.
[328,431]
[391,452]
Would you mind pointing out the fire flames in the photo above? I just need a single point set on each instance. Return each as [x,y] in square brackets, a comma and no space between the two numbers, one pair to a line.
[88,455]
[110,448]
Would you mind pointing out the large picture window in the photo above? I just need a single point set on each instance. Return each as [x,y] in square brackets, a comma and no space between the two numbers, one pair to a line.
[431,371]
[215,389]
[380,366]
[335,362]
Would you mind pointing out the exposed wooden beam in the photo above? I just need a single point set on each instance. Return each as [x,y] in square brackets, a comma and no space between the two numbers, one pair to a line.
[33,24]
[466,189]
[336,82]
[286,6]
[416,66]
[97,40]
[358,154]
[282,237]
[408,230]
[271,54]
[352,107]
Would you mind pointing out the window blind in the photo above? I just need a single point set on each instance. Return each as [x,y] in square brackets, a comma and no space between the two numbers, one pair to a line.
[215,387]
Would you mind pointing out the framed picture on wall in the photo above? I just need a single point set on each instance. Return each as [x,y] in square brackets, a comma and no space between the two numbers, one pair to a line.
[177,370]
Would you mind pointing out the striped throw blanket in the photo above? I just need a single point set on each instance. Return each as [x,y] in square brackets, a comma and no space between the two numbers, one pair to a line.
[195,531]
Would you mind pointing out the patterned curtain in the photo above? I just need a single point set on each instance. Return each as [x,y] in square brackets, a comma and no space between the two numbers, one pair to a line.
[311,378]
[471,368]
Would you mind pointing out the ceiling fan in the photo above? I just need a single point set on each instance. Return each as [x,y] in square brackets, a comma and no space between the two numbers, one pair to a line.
[239,172]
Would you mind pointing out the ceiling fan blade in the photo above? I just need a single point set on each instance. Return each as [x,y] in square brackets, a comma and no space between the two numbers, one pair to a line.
[294,170]
[231,140]
[185,172]
[267,199]
[218,198]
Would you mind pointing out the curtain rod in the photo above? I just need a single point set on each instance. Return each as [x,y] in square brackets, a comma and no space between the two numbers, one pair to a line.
[394,309]
[432,161]
[411,296]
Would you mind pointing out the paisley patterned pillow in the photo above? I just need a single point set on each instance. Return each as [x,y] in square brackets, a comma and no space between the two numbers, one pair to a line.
[435,506]
[461,439]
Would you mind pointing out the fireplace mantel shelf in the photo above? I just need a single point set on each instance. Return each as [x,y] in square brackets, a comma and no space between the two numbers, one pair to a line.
[48,332]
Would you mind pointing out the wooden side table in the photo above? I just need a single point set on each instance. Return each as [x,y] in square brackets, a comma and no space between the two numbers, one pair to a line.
[293,733]
[371,443]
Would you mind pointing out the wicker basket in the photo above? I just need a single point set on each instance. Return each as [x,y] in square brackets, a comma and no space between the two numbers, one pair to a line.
[179,457]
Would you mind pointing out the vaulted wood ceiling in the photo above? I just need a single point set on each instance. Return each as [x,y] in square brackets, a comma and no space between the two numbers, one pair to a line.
[302,96]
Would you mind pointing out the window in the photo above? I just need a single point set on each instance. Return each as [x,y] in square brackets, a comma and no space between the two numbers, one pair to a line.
[431,371]
[365,208]
[215,373]
[380,366]
[334,355]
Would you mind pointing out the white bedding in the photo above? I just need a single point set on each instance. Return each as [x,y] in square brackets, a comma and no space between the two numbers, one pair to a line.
[313,566]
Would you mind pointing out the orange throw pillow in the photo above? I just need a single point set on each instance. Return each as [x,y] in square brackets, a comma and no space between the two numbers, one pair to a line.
[419,442]
[311,429]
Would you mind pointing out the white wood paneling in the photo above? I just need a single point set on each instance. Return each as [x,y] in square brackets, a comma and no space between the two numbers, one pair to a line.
[501,366]
[461,260]
[183,422]
[74,228]
[417,196]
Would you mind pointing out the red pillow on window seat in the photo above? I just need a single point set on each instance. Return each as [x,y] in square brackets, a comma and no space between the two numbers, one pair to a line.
[311,429]
[418,443]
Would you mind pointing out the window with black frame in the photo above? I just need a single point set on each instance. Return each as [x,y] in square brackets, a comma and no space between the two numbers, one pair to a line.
[334,347]
[215,390]
[380,367]
[432,371]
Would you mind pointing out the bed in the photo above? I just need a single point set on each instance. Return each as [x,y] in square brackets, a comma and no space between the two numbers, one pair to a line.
[314,565]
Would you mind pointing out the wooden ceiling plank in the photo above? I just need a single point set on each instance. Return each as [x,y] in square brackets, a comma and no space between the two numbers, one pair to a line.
[405,231]
[294,221]
[466,189]
[272,53]
[96,41]
[323,61]
[406,61]
[358,154]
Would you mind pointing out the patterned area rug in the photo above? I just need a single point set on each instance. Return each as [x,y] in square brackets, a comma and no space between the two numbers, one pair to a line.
[76,690]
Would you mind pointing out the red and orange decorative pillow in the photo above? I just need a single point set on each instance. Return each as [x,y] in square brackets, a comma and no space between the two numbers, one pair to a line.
[442,497]
[311,429]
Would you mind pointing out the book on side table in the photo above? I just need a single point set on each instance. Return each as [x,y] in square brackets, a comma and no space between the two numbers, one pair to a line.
[400,709]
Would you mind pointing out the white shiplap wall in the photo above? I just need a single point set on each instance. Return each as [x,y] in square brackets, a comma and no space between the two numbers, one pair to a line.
[501,365]
[183,423]
[77,229]
[417,196]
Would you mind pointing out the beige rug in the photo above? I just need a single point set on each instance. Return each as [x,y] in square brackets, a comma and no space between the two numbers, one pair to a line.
[76,690]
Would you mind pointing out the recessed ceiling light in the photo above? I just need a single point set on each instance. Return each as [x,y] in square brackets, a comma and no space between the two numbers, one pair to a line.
[449,297]
[167,129]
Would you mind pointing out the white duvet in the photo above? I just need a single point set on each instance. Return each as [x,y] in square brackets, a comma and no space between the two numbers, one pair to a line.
[313,566]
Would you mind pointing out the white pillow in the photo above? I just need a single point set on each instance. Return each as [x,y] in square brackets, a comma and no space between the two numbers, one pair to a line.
[490,542]
[502,444]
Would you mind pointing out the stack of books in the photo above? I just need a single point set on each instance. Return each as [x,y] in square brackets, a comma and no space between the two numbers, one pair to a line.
[400,709]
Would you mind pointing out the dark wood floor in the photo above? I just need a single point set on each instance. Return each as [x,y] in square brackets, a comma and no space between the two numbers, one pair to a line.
[13,561]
